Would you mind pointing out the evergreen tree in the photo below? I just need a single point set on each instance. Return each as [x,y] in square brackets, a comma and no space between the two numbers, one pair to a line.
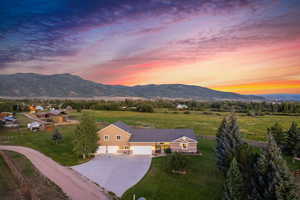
[57,136]
[85,136]
[273,179]
[234,184]
[293,139]
[228,143]
[278,134]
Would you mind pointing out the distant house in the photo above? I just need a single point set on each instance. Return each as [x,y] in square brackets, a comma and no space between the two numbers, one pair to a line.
[34,126]
[69,108]
[56,116]
[182,106]
[121,138]
[39,108]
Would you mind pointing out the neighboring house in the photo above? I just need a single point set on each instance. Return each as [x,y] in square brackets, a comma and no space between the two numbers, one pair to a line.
[39,108]
[182,106]
[34,126]
[121,138]
[56,116]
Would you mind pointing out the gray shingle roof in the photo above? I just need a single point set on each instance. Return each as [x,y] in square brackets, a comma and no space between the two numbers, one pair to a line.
[123,126]
[155,135]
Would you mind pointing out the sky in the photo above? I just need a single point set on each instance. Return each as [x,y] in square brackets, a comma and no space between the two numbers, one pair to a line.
[243,46]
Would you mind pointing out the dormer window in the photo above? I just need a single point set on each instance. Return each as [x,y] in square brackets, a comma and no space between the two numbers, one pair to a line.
[184,145]
[106,137]
[118,137]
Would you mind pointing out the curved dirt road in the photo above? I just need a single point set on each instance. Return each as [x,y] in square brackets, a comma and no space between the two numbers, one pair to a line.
[74,185]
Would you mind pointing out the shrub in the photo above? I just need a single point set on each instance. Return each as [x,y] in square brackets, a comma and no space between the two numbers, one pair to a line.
[145,108]
[168,151]
[187,112]
[176,162]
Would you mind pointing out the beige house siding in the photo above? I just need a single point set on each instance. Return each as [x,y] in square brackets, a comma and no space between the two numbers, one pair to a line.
[177,147]
[112,132]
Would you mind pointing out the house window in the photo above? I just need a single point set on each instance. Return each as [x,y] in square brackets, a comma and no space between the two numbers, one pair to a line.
[118,137]
[184,145]
[106,137]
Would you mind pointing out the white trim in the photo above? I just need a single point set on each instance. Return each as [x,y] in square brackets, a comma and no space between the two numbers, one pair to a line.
[184,138]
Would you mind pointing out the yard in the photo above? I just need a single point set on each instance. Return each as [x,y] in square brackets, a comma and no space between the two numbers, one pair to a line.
[254,128]
[41,141]
[42,187]
[203,180]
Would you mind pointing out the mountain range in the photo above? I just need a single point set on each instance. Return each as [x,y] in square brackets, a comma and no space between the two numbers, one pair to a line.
[68,86]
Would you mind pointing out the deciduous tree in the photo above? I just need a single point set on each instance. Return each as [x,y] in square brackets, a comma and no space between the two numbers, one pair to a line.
[85,136]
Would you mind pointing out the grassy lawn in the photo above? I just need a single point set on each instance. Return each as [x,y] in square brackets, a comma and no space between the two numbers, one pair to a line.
[41,141]
[203,180]
[42,187]
[251,127]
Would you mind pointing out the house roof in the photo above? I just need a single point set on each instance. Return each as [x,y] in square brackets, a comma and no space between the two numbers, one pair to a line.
[155,135]
[123,126]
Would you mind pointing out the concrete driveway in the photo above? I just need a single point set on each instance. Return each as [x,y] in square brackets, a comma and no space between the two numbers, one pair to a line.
[116,173]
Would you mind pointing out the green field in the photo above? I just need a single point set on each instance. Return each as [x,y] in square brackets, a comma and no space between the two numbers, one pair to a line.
[42,187]
[254,128]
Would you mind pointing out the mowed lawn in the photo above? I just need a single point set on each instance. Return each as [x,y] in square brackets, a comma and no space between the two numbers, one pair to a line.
[203,181]
[42,141]
[254,128]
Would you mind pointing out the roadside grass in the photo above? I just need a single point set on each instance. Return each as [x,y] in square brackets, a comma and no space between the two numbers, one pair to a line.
[254,128]
[8,187]
[42,187]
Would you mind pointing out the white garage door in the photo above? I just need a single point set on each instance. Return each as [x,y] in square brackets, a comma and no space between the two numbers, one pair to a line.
[142,150]
[107,149]
[101,149]
[112,149]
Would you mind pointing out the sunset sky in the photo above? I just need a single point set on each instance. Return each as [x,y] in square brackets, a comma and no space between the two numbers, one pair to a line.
[244,46]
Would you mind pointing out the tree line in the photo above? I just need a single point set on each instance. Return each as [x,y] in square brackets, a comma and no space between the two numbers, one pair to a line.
[251,174]
[250,108]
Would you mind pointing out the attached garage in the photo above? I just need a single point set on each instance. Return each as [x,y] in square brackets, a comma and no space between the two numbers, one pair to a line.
[141,150]
[107,149]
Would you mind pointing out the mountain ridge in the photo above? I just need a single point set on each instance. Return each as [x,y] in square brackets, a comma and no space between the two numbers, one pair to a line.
[69,85]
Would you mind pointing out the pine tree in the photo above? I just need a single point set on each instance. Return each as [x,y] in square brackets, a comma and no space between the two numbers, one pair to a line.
[57,136]
[293,139]
[273,179]
[85,136]
[278,134]
[234,184]
[228,143]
